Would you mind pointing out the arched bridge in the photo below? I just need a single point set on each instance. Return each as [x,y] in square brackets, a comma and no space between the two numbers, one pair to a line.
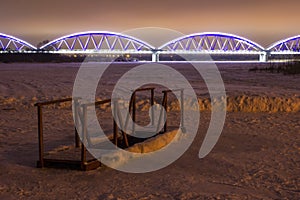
[286,46]
[109,42]
[117,43]
[10,43]
[213,43]
[98,41]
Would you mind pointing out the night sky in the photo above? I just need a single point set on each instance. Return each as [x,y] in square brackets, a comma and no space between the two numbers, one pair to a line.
[264,21]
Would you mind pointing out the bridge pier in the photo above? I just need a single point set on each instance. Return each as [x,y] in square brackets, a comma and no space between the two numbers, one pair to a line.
[263,57]
[155,57]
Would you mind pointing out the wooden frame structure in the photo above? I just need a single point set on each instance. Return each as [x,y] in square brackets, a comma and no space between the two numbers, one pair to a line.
[81,116]
[82,164]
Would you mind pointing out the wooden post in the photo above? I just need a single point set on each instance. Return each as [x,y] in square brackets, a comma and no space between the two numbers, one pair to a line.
[115,125]
[77,139]
[165,104]
[84,132]
[152,103]
[40,135]
[182,107]
[119,117]
[133,111]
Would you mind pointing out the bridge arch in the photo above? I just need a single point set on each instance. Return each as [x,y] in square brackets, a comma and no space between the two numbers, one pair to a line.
[11,43]
[288,45]
[212,42]
[98,41]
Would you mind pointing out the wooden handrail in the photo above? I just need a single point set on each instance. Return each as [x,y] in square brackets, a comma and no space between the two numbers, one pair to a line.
[175,90]
[53,102]
[144,89]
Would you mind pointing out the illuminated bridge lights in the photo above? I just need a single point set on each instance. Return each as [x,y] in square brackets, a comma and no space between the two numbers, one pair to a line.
[10,43]
[212,42]
[104,42]
[91,51]
[287,46]
[98,41]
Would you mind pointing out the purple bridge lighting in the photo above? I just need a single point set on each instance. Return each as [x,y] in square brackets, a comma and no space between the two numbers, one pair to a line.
[116,43]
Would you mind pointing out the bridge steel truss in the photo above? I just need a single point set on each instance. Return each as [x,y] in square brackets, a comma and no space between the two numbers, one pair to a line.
[287,46]
[10,43]
[200,43]
[98,42]
[116,43]
[213,43]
